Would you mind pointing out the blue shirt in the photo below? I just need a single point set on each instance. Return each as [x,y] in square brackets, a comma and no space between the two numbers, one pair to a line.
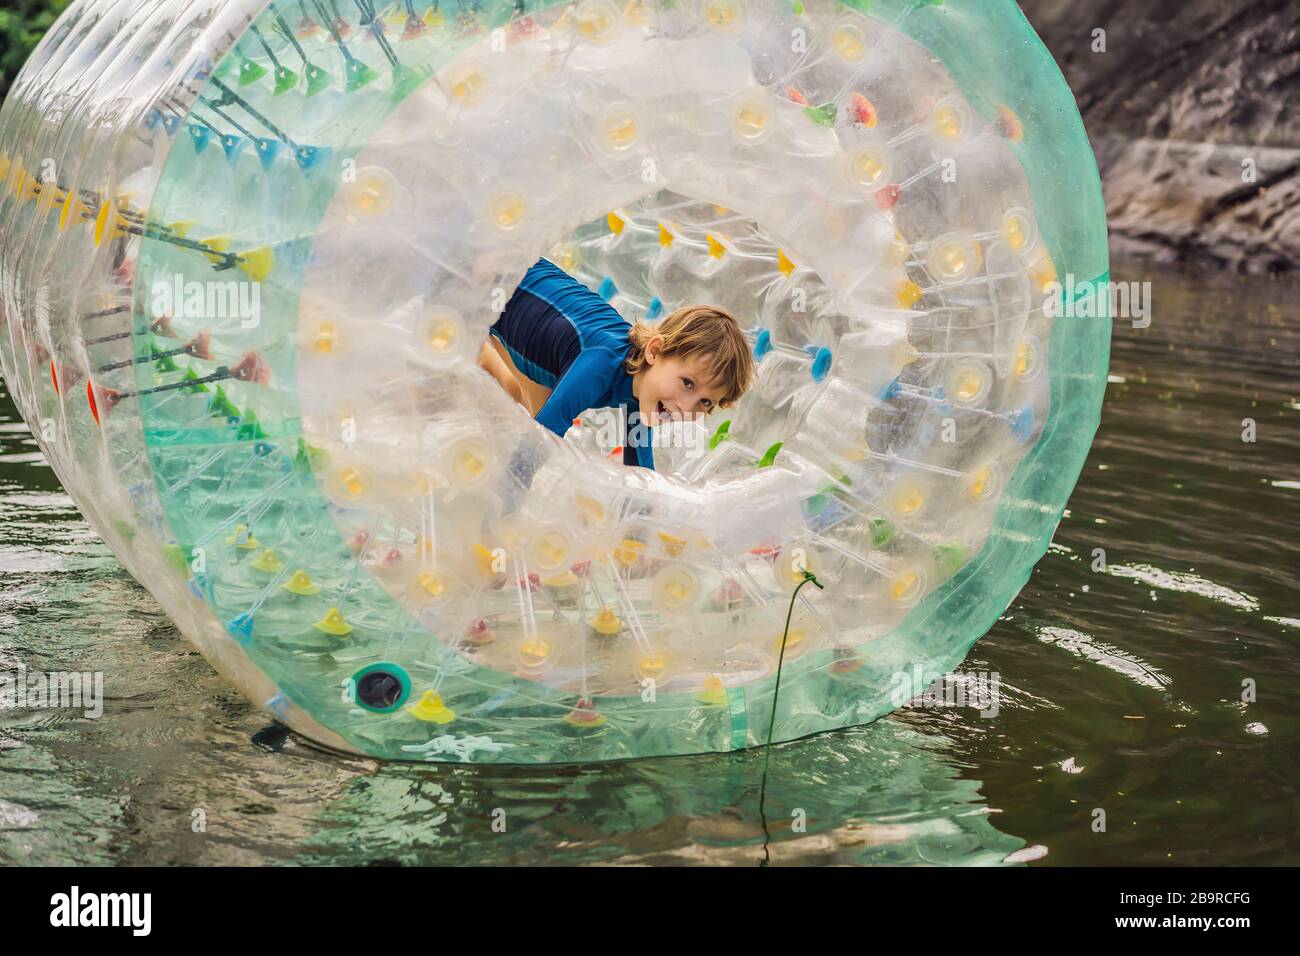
[567,338]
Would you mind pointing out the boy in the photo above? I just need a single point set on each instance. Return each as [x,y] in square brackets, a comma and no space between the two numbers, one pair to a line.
[559,349]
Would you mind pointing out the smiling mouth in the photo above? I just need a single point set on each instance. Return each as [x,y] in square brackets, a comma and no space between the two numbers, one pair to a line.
[661,410]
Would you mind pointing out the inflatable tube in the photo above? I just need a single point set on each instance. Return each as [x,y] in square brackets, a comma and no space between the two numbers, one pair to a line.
[250,253]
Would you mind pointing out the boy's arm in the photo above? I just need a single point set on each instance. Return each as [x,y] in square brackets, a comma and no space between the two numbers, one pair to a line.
[583,384]
[642,456]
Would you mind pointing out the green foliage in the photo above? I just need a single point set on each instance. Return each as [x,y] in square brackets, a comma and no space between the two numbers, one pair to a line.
[22,24]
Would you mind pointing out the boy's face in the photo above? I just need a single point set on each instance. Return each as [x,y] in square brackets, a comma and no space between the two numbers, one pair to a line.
[674,388]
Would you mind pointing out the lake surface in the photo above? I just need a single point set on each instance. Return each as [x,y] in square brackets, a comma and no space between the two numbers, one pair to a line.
[1120,688]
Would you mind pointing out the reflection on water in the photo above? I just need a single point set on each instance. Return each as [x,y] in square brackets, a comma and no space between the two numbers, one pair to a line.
[1121,687]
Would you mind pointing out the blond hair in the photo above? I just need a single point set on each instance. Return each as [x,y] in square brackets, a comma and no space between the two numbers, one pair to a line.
[704,330]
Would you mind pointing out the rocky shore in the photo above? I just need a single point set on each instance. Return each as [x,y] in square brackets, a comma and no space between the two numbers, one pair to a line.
[1193,108]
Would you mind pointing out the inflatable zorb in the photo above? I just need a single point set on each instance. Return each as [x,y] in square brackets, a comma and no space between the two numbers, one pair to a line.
[250,253]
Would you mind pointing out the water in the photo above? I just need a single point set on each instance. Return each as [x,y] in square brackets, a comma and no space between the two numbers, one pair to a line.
[1121,690]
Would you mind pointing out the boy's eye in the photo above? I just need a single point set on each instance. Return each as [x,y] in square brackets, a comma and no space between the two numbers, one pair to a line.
[688,383]
[707,403]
